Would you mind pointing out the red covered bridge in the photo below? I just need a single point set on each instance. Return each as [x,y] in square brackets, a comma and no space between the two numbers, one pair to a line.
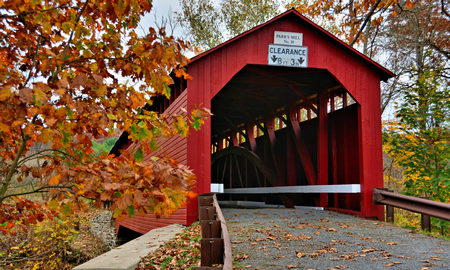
[297,124]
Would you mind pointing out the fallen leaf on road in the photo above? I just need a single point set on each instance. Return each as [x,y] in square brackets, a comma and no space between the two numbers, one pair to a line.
[391,243]
[237,241]
[290,266]
[367,250]
[332,230]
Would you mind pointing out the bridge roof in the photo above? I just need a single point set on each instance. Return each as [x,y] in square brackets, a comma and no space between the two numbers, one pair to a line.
[382,71]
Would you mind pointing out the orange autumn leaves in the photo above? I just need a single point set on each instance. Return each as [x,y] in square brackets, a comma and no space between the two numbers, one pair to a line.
[74,71]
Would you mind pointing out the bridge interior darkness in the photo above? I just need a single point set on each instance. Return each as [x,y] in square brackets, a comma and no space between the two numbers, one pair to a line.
[280,126]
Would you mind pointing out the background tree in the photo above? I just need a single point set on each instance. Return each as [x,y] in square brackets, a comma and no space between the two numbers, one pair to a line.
[69,71]
[209,23]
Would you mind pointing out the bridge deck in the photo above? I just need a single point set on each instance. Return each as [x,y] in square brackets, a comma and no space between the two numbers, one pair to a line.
[314,239]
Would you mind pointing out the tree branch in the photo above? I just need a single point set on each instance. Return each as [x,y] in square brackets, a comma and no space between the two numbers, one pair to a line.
[38,190]
[39,153]
[77,19]
[366,20]
[34,61]
[443,8]
[35,11]
[13,167]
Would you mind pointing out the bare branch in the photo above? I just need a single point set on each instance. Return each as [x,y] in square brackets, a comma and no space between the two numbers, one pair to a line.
[77,19]
[40,154]
[444,9]
[369,15]
[43,189]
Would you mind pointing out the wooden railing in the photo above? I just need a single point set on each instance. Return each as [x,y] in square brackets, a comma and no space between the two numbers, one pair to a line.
[419,205]
[215,243]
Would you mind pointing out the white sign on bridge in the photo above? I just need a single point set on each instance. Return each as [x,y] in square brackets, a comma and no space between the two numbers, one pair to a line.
[289,56]
[288,38]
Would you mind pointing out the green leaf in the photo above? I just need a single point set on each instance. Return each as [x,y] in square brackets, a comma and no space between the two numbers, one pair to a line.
[167,91]
[69,112]
[111,116]
[133,129]
[153,145]
[196,123]
[143,134]
[130,210]
[139,156]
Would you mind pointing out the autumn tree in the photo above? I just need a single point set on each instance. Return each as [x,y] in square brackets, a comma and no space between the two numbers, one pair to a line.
[209,23]
[72,71]
[417,139]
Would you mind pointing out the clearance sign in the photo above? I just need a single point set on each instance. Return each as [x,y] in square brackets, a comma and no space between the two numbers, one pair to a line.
[285,55]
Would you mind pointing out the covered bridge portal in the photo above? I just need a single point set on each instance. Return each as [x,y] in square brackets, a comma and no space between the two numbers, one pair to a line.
[308,135]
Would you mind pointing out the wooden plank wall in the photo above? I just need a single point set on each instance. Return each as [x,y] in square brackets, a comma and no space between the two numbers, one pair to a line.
[175,147]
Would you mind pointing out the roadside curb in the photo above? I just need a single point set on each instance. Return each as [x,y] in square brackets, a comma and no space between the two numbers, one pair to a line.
[128,255]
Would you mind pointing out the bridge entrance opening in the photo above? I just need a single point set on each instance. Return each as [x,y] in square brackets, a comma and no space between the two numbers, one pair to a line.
[288,136]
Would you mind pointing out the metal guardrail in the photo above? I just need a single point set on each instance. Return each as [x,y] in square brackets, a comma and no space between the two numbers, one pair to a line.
[215,243]
[423,206]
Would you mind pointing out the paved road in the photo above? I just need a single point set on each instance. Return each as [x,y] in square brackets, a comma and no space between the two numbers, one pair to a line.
[315,239]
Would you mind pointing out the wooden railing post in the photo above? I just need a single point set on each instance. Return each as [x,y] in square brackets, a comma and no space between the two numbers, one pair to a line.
[215,243]
[426,222]
[389,213]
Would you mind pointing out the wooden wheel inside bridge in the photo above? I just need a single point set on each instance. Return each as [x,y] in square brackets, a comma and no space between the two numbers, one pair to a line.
[238,167]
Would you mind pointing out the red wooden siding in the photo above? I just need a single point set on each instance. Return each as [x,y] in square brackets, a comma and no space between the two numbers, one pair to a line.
[174,147]
[143,224]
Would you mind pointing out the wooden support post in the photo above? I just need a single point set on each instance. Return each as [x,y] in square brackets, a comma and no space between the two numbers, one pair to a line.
[322,146]
[332,103]
[205,201]
[294,130]
[251,137]
[271,140]
[299,114]
[344,100]
[426,222]
[334,163]
[269,153]
[219,144]
[207,213]
[211,251]
[291,167]
[234,139]
[210,228]
[389,213]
